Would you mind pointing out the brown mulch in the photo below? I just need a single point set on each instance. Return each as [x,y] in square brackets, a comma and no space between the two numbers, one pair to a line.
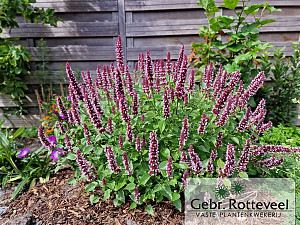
[57,202]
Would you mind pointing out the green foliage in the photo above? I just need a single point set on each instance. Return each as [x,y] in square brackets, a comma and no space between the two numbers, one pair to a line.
[14,59]
[234,42]
[284,73]
[238,48]
[13,168]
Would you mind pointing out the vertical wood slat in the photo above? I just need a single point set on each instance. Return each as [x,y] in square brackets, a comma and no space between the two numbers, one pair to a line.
[122,26]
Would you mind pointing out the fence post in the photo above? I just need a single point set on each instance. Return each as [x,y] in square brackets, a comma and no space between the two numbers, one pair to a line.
[122,26]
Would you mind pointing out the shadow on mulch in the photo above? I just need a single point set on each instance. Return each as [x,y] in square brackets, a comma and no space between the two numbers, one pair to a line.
[58,202]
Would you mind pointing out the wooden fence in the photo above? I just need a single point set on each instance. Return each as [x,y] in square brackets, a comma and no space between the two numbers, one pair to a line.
[88,35]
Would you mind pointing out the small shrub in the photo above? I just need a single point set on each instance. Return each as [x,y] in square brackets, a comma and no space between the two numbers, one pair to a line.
[143,137]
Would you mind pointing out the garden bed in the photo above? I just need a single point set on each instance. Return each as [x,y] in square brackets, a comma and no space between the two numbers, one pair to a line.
[58,202]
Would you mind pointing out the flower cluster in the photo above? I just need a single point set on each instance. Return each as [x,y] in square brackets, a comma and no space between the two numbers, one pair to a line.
[112,160]
[153,154]
[86,168]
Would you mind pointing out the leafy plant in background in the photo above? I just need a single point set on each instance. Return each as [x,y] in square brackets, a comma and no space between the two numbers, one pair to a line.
[233,41]
[14,59]
[284,73]
[144,139]
[24,165]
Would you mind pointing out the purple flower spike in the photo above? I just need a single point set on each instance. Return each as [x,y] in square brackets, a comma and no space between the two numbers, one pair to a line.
[192,82]
[112,160]
[126,163]
[87,134]
[110,127]
[184,179]
[68,143]
[169,167]
[166,108]
[43,139]
[24,152]
[138,145]
[137,195]
[219,142]
[169,64]
[210,166]
[135,105]
[129,133]
[62,109]
[184,132]
[119,54]
[121,141]
[183,157]
[74,83]
[153,154]
[86,167]
[230,161]
[196,163]
[244,159]
[244,122]
[103,181]
[149,70]
[202,124]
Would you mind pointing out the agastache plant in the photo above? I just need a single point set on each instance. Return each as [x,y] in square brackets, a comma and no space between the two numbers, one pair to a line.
[165,125]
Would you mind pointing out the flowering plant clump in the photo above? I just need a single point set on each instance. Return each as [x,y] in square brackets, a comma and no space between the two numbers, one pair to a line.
[142,136]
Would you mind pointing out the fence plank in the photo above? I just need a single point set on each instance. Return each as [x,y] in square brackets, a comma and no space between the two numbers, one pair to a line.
[145,5]
[29,101]
[78,6]
[16,121]
[67,29]
[73,53]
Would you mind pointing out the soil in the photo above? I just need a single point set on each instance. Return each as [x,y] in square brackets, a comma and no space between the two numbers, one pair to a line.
[58,202]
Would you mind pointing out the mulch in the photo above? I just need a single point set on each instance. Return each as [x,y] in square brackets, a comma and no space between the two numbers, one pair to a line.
[58,202]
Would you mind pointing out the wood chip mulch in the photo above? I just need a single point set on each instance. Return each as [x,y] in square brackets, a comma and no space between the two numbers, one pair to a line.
[57,202]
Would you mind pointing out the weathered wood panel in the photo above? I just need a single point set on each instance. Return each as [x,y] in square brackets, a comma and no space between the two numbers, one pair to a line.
[18,121]
[67,29]
[29,101]
[78,6]
[144,5]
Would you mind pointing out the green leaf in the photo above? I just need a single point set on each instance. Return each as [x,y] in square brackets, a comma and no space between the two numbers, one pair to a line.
[133,205]
[17,133]
[230,4]
[91,187]
[236,140]
[175,196]
[106,195]
[209,6]
[144,179]
[252,9]
[19,188]
[177,204]
[264,22]
[163,165]
[4,141]
[250,28]
[162,125]
[226,182]
[220,163]
[243,174]
[149,209]
[236,47]
[94,199]
[130,187]
[227,20]
[72,181]
[157,188]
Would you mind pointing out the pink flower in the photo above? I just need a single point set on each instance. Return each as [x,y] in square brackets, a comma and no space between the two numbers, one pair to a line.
[153,154]
[129,133]
[244,122]
[203,124]
[62,109]
[166,107]
[110,127]
[219,142]
[149,70]
[169,169]
[230,161]
[168,64]
[121,141]
[74,83]
[196,163]
[271,162]
[184,179]
[137,195]
[192,82]
[68,143]
[119,54]
[43,139]
[129,84]
[184,134]
[244,159]
[86,167]
[135,105]
[112,160]
[126,163]
[87,134]
[138,145]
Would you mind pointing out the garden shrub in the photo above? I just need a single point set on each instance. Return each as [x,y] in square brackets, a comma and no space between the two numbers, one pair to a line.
[233,42]
[142,136]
